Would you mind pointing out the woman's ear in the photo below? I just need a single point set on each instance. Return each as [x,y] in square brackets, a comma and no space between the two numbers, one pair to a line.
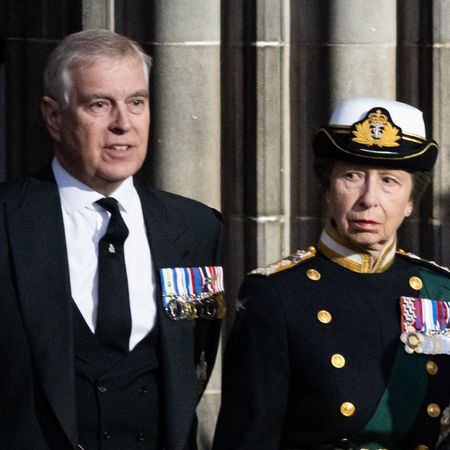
[409,209]
[51,113]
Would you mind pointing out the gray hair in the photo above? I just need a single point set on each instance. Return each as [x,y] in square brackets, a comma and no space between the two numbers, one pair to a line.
[84,48]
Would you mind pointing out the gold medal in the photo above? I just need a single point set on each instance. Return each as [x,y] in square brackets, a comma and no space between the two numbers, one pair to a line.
[191,311]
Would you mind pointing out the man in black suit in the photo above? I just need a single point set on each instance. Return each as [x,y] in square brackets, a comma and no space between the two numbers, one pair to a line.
[91,358]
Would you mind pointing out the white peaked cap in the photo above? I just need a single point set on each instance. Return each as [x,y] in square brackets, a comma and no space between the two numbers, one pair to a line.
[408,118]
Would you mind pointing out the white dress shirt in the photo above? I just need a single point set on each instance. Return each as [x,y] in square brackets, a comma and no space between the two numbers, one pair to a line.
[85,223]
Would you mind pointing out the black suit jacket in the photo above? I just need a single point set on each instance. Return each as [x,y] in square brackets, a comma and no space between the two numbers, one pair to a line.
[37,378]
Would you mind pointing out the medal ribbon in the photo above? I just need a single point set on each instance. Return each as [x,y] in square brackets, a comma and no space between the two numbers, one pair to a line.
[187,284]
[167,285]
[429,316]
[175,283]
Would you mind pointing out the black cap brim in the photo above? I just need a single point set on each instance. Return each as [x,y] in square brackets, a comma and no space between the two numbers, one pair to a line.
[415,154]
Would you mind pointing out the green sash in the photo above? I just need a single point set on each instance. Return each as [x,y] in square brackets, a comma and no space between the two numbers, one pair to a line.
[403,396]
[400,403]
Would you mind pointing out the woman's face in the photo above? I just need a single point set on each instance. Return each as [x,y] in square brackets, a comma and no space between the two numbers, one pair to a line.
[368,204]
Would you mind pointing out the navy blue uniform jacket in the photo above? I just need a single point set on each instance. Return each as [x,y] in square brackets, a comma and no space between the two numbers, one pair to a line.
[288,374]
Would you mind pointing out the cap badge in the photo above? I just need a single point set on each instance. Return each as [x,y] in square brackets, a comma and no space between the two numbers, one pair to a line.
[377,129]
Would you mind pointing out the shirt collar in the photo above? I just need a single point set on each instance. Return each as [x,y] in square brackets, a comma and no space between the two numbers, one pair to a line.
[75,195]
[341,252]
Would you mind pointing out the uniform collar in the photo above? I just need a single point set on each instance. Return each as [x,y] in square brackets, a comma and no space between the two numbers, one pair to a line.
[342,253]
[75,195]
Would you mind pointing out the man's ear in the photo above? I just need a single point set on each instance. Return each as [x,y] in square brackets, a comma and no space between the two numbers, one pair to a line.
[51,113]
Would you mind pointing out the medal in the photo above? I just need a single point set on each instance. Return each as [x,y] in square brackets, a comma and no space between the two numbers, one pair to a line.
[425,325]
[176,309]
[191,311]
[221,306]
[193,292]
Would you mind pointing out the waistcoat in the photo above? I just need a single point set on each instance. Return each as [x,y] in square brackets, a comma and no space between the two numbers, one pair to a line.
[118,405]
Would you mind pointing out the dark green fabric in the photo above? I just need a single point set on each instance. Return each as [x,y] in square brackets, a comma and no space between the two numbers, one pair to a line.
[408,383]
[435,286]
[401,400]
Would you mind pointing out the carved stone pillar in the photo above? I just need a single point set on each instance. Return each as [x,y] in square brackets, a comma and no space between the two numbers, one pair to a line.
[440,219]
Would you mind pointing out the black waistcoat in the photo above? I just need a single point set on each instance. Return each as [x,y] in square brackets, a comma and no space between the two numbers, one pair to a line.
[118,405]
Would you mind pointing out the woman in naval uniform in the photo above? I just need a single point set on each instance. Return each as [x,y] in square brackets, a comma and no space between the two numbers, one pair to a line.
[347,346]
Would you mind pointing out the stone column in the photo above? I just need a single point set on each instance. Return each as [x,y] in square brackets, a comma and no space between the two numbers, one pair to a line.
[340,49]
[311,83]
[185,133]
[271,219]
[440,220]
[415,87]
[362,49]
[98,14]
[185,148]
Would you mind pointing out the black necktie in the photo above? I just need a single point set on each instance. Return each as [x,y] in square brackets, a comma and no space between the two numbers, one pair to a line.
[113,315]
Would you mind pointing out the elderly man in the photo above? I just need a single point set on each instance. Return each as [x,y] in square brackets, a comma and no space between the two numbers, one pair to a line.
[110,291]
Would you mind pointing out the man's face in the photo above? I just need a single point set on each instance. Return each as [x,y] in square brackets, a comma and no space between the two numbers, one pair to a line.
[101,136]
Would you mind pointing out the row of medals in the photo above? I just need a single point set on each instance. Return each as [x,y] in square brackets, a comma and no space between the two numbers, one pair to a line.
[204,306]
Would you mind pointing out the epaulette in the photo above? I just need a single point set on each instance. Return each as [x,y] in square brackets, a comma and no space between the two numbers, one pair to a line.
[286,263]
[417,259]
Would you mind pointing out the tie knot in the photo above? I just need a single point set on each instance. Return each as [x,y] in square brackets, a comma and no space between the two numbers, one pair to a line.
[117,231]
[110,204]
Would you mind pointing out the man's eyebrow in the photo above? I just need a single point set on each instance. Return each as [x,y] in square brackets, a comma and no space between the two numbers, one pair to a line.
[142,93]
[95,95]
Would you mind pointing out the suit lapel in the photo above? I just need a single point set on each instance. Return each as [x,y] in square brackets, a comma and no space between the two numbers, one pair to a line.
[38,248]
[180,390]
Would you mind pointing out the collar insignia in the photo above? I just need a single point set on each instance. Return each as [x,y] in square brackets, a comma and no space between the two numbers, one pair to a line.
[340,251]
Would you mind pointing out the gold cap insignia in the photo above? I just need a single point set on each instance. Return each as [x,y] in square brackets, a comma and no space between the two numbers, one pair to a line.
[377,129]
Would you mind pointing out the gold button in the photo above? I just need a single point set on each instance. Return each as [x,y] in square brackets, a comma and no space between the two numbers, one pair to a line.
[416,283]
[432,367]
[347,409]
[421,447]
[324,316]
[312,274]
[338,361]
[312,249]
[433,410]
